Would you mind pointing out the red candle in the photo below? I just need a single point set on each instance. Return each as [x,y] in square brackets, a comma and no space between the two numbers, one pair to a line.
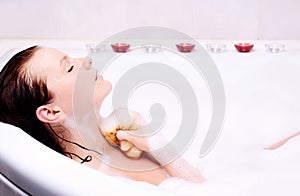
[244,47]
[120,47]
[185,47]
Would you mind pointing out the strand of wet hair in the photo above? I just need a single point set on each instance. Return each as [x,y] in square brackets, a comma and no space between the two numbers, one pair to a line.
[83,160]
[86,159]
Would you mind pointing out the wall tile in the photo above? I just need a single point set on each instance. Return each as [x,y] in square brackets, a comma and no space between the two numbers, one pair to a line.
[202,19]
[230,19]
[21,18]
[93,19]
[175,14]
[280,19]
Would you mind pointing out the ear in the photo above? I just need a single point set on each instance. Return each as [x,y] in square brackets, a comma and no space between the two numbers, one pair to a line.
[50,114]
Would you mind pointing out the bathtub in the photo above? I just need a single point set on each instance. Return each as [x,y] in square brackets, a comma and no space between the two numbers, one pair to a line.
[262,107]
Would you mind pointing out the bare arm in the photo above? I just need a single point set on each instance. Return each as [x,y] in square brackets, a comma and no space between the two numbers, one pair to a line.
[179,168]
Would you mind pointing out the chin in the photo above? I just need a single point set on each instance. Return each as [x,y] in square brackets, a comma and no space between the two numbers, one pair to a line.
[102,90]
[109,86]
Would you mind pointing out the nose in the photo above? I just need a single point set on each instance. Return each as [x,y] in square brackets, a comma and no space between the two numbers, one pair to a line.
[87,63]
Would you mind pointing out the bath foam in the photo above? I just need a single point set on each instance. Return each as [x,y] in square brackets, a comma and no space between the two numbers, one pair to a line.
[183,187]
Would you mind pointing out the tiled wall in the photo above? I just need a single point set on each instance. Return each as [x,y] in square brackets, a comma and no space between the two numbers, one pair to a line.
[201,19]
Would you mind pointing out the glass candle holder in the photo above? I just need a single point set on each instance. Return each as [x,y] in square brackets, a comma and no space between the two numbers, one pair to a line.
[216,47]
[95,47]
[275,47]
[151,48]
[185,47]
[120,47]
[244,47]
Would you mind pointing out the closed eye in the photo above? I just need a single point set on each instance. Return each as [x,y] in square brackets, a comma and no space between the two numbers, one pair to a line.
[71,68]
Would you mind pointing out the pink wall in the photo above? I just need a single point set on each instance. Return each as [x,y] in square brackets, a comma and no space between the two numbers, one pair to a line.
[202,19]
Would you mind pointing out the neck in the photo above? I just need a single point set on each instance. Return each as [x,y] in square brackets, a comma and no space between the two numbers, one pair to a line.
[81,138]
[77,150]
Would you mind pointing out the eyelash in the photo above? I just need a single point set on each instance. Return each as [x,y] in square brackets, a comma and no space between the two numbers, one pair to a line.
[71,68]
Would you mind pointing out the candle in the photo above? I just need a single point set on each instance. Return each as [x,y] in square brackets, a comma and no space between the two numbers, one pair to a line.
[95,47]
[151,48]
[244,47]
[120,47]
[185,47]
[216,47]
[275,47]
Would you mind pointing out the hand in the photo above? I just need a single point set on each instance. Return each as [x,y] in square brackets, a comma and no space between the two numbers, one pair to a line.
[117,121]
[140,142]
[145,143]
[138,138]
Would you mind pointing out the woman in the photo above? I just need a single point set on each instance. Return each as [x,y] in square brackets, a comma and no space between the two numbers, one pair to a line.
[36,94]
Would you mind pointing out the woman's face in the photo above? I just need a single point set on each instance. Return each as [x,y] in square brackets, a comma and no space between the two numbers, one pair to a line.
[73,81]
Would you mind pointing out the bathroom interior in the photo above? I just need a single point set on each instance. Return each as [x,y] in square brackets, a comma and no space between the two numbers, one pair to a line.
[254,48]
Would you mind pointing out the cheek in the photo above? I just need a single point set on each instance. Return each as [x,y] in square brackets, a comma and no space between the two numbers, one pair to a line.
[63,94]
[67,98]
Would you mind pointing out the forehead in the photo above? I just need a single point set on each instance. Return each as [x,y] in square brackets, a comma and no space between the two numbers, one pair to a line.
[43,61]
[46,54]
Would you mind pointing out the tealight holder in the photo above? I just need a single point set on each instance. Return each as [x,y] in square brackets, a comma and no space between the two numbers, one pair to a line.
[120,47]
[185,47]
[244,47]
[275,47]
[216,47]
[95,47]
[151,48]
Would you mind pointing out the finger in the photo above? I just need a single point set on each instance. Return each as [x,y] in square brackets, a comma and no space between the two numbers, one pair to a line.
[125,145]
[122,135]
[134,153]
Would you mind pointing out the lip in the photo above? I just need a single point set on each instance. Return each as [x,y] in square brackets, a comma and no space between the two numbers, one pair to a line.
[98,76]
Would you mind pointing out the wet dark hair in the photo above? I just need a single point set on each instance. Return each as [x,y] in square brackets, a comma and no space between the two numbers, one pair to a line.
[21,95]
